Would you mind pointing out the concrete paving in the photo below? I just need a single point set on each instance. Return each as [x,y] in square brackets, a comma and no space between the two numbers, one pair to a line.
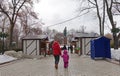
[78,66]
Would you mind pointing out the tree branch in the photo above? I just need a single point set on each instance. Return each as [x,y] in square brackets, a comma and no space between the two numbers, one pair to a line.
[14,9]
[109,13]
[116,3]
[5,12]
[117,6]
[98,14]
[87,8]
[111,5]
[91,2]
[19,9]
[17,2]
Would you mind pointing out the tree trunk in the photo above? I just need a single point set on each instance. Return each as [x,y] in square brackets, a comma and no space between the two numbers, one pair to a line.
[11,35]
[103,21]
[99,17]
[110,16]
[115,41]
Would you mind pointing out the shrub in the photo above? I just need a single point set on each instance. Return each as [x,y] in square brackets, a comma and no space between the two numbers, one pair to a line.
[77,48]
[17,49]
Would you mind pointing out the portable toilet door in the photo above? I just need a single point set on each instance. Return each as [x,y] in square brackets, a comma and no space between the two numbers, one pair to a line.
[107,48]
[100,48]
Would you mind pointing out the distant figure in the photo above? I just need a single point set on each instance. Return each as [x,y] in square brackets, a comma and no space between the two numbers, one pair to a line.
[65,57]
[64,47]
[71,48]
[56,53]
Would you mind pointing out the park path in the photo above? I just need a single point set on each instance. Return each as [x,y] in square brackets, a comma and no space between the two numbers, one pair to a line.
[78,66]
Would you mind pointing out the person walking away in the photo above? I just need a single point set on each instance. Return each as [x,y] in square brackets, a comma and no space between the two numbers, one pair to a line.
[65,57]
[64,47]
[56,53]
[71,48]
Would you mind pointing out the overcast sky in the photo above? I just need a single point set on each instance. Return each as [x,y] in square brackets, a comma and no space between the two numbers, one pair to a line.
[56,11]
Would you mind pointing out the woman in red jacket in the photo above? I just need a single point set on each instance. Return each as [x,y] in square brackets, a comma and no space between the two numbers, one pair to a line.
[56,53]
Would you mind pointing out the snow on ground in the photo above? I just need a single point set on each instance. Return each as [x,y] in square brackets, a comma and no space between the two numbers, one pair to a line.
[5,58]
[115,54]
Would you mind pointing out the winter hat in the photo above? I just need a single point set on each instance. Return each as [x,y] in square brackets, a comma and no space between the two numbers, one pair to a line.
[65,52]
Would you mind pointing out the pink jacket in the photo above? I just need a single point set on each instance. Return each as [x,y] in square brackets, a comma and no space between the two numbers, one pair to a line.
[65,56]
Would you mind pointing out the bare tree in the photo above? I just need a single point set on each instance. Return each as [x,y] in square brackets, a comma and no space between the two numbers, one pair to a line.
[11,8]
[106,9]
[111,8]
[101,15]
[29,22]
[110,5]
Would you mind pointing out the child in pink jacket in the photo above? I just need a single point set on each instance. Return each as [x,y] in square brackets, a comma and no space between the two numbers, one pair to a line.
[65,57]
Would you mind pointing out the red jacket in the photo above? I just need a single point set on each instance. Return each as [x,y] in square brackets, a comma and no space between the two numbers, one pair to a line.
[56,48]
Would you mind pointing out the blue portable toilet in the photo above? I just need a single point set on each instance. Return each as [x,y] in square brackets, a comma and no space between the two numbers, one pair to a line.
[100,47]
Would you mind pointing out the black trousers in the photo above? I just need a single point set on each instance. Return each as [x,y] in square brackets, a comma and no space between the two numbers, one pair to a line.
[57,58]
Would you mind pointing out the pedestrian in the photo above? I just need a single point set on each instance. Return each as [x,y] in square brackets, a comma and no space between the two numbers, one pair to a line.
[71,48]
[64,47]
[65,57]
[56,53]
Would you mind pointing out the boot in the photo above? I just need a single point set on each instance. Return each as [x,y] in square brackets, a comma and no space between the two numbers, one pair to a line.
[56,66]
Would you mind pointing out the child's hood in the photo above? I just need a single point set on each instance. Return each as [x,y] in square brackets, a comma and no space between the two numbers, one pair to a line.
[65,52]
